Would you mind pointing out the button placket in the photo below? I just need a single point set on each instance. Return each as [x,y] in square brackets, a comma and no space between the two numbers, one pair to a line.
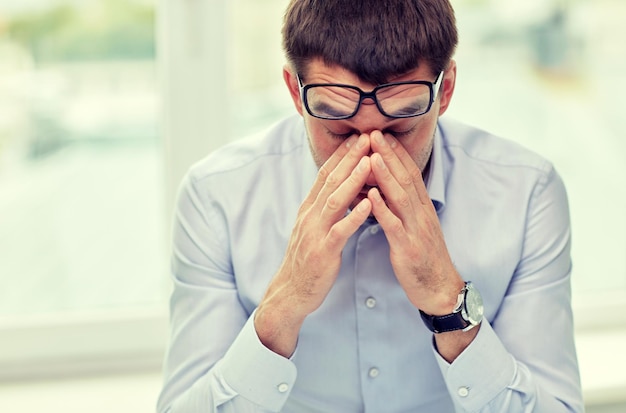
[463,391]
[369,272]
[370,302]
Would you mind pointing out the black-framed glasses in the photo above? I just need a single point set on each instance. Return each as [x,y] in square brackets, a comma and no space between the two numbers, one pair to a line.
[336,101]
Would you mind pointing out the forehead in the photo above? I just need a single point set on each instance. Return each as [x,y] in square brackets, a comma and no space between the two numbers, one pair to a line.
[317,71]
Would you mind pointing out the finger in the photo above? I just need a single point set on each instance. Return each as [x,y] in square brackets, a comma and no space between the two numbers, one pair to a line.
[339,201]
[343,229]
[328,166]
[342,170]
[413,170]
[391,224]
[389,148]
[399,200]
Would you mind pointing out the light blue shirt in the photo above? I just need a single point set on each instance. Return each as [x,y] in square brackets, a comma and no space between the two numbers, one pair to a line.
[504,214]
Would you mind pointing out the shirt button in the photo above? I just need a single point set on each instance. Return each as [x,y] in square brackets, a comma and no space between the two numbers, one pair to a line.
[373,373]
[374,230]
[370,302]
[283,387]
[463,391]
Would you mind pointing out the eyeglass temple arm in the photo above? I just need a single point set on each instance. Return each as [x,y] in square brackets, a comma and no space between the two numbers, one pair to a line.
[437,85]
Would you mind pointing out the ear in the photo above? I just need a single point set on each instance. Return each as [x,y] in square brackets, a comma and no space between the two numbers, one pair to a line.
[291,81]
[447,89]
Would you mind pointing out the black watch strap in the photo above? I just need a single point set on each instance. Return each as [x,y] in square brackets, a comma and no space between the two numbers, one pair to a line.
[441,324]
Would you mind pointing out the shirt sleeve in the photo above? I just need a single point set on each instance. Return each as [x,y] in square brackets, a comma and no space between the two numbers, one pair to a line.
[215,360]
[525,359]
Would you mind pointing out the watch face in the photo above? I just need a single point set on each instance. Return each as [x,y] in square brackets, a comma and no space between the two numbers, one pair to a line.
[473,305]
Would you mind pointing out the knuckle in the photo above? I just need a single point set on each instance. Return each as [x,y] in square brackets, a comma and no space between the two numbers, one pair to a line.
[403,200]
[416,175]
[332,203]
[332,180]
[314,256]
[396,225]
[305,220]
[323,172]
[304,209]
[334,235]
[355,178]
[405,180]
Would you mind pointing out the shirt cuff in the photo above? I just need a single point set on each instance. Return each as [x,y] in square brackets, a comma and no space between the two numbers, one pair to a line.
[255,372]
[481,372]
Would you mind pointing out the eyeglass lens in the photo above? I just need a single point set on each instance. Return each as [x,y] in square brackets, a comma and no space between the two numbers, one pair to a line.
[394,100]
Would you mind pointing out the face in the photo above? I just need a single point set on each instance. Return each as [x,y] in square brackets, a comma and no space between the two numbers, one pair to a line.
[415,134]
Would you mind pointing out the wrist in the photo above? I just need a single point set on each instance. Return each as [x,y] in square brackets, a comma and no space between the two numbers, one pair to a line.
[467,313]
[451,344]
[277,326]
[445,301]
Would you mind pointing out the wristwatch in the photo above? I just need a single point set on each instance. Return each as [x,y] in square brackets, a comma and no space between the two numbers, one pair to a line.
[467,314]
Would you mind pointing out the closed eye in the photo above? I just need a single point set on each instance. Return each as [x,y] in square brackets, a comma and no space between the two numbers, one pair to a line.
[394,133]
[399,134]
[342,136]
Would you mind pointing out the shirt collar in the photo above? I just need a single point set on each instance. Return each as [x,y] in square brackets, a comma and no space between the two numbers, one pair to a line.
[435,181]
[309,169]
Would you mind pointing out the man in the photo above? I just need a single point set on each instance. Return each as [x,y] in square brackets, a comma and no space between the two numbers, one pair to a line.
[367,256]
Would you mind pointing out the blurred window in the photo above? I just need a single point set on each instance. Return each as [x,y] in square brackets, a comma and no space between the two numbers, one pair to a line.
[551,76]
[81,188]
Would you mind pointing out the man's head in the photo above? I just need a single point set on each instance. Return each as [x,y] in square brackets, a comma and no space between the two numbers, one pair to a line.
[365,44]
[374,39]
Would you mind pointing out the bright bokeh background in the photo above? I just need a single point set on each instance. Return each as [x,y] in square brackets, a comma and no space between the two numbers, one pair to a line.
[84,193]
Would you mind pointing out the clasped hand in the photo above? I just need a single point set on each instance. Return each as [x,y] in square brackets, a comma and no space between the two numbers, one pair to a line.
[400,203]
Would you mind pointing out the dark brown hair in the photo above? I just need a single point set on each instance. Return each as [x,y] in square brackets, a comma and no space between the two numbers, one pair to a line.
[375,39]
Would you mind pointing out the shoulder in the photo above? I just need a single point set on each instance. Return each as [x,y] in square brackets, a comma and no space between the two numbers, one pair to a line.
[260,150]
[480,148]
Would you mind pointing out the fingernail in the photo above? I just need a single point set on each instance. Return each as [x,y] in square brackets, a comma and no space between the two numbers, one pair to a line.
[361,166]
[376,195]
[350,142]
[380,162]
[380,139]
[360,143]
